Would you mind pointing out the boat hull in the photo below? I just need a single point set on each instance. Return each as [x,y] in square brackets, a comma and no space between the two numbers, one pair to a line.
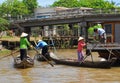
[106,54]
[25,63]
[74,62]
[41,58]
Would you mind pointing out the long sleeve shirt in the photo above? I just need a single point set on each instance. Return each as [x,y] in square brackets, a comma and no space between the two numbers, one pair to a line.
[24,43]
[41,44]
[81,44]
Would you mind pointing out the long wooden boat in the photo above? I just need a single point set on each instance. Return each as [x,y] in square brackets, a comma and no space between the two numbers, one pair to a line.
[25,63]
[74,62]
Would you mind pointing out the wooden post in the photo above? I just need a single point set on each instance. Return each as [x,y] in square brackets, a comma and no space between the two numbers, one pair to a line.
[28,31]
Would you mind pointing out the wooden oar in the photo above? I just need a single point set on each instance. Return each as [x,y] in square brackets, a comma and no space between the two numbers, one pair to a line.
[35,42]
[9,54]
[43,57]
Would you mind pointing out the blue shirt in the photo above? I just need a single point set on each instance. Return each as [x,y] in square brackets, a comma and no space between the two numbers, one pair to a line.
[41,44]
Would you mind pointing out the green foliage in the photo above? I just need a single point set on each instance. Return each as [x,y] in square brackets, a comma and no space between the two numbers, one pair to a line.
[13,8]
[96,4]
[3,24]
[17,8]
[84,3]
[91,29]
[30,5]
[66,3]
[66,26]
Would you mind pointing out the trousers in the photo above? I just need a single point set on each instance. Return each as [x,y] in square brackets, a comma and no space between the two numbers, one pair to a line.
[80,56]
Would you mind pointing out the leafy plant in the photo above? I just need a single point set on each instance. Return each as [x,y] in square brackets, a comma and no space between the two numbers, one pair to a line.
[3,24]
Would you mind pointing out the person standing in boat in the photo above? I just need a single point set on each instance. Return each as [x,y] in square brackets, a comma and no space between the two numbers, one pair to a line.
[101,34]
[81,44]
[24,43]
[44,46]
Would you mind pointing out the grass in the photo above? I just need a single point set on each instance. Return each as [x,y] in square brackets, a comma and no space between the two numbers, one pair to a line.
[9,38]
[15,38]
[4,52]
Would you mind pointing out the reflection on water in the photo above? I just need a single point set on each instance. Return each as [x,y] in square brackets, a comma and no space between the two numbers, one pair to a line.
[42,72]
[26,77]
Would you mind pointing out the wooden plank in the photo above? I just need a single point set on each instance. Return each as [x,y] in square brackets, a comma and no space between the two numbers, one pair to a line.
[103,47]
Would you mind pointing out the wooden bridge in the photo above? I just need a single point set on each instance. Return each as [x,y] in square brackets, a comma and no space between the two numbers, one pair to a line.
[75,15]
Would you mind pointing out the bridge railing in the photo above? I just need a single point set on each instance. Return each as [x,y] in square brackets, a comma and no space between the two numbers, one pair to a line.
[105,11]
[70,12]
[89,12]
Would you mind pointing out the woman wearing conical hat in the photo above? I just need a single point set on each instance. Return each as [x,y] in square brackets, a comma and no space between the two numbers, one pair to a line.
[24,43]
[81,44]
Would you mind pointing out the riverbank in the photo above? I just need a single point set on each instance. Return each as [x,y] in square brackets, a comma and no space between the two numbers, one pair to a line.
[16,38]
[13,41]
[61,42]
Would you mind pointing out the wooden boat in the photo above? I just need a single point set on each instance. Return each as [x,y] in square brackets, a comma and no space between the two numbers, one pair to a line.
[41,58]
[74,62]
[25,63]
[107,55]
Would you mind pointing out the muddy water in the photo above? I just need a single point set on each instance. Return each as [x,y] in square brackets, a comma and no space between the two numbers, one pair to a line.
[44,73]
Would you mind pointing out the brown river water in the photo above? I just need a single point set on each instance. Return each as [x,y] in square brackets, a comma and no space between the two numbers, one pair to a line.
[42,72]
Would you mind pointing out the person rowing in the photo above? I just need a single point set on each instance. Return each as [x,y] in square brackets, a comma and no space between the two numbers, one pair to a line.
[44,47]
[24,44]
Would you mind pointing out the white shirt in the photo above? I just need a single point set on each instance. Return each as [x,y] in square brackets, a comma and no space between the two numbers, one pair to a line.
[101,31]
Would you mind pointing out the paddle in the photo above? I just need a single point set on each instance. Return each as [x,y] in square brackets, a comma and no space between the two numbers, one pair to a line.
[43,57]
[9,54]
[36,45]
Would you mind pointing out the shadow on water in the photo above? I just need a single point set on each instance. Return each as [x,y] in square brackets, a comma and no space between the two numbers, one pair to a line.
[42,72]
